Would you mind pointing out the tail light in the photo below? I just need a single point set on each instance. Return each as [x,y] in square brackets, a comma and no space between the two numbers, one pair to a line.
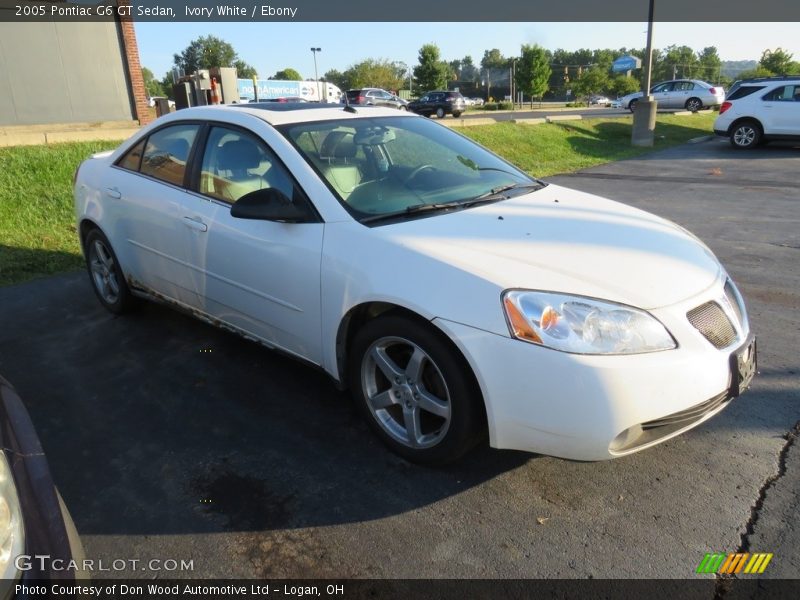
[725,106]
[361,99]
[713,91]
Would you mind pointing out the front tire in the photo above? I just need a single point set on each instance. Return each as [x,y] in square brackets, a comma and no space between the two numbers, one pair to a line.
[440,113]
[456,115]
[745,135]
[414,390]
[108,280]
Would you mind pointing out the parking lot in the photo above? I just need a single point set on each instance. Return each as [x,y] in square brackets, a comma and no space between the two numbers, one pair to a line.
[171,439]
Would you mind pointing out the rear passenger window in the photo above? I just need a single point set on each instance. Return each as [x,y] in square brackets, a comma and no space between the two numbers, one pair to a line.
[744,91]
[167,151]
[132,158]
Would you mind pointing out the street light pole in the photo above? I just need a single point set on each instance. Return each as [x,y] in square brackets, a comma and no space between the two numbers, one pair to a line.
[316,76]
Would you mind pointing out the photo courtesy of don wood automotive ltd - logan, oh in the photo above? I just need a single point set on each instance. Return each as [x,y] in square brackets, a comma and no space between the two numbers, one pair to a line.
[356,300]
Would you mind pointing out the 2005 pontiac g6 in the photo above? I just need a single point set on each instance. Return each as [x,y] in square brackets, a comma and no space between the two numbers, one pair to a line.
[451,292]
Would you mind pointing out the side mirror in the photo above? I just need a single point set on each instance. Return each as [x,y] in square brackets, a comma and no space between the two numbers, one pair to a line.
[269,204]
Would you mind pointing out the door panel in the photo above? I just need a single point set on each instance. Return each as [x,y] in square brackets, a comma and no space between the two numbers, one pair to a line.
[147,212]
[262,277]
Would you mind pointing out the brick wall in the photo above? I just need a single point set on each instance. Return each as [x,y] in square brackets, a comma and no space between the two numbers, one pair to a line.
[134,67]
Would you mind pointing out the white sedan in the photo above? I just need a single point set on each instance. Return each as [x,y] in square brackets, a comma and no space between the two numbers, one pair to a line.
[456,296]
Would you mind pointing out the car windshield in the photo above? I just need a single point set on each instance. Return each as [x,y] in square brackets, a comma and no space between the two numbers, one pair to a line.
[382,168]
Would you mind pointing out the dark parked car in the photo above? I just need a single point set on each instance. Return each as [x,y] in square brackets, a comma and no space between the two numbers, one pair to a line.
[374,97]
[33,519]
[439,103]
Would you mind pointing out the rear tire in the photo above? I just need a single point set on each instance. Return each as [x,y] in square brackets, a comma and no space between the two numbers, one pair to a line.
[694,104]
[415,390]
[745,135]
[108,280]
[632,105]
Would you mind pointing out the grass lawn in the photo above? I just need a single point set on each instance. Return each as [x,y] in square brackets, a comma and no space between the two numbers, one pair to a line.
[566,146]
[37,228]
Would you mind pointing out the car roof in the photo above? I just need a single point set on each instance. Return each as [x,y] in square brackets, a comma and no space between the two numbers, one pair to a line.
[282,113]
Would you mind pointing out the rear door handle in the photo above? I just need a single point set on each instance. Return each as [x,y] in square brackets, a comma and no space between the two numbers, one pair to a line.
[113,192]
[195,224]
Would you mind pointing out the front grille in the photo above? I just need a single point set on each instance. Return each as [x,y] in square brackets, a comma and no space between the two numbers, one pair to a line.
[689,415]
[711,321]
[657,430]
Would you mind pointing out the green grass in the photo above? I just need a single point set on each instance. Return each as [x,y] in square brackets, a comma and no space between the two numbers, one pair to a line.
[37,223]
[566,146]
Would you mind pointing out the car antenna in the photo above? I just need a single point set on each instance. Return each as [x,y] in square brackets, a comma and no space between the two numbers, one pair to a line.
[347,107]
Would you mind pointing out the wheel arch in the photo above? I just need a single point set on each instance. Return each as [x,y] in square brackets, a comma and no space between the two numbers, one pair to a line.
[741,120]
[84,227]
[362,313]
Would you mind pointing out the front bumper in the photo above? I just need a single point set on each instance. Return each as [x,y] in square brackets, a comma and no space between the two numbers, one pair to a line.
[48,526]
[590,407]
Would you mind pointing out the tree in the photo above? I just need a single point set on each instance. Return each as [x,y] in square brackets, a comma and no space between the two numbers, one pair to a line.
[287,74]
[621,85]
[244,70]
[469,72]
[493,59]
[151,84]
[710,64]
[205,52]
[379,73]
[431,72]
[593,81]
[337,78]
[778,61]
[533,71]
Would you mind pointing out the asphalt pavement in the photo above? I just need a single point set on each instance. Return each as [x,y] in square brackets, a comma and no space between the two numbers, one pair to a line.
[171,439]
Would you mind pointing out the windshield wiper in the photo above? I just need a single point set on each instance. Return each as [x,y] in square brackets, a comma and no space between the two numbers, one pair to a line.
[414,209]
[498,193]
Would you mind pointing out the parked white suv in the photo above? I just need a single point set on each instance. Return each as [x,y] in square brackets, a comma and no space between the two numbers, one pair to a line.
[761,110]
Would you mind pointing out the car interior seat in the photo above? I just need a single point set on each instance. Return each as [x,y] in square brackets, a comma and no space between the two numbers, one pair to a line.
[235,161]
[338,161]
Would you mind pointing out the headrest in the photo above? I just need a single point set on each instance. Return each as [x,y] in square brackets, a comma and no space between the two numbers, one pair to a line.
[338,144]
[238,154]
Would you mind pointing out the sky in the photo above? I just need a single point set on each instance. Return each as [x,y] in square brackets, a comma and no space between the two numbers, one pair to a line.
[270,47]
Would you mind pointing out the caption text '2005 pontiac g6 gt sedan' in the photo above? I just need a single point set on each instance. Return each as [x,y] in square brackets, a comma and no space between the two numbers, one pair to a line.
[454,295]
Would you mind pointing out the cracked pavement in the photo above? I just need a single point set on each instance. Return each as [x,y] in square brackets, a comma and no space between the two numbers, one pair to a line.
[171,439]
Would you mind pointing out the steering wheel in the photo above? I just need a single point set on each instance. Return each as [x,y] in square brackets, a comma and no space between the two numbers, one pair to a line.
[416,172]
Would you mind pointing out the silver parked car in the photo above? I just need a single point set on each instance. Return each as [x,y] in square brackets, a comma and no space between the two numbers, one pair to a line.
[691,94]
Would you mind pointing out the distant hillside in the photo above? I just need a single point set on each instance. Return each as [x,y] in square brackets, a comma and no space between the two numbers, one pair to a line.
[731,68]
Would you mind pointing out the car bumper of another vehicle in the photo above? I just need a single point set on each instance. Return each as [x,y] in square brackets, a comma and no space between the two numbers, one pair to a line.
[48,527]
[594,407]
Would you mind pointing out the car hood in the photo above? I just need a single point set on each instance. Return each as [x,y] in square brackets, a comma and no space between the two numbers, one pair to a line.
[630,97]
[563,240]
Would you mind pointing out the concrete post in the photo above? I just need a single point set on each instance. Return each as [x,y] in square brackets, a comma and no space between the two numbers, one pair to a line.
[644,122]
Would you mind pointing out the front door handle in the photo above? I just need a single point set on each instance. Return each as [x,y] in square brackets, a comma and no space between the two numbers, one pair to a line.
[113,192]
[195,224]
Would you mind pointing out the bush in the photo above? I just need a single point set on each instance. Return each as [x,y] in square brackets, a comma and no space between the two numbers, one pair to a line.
[498,106]
[576,104]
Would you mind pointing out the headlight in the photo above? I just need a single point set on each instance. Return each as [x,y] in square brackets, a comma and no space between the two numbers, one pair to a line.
[582,325]
[12,542]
